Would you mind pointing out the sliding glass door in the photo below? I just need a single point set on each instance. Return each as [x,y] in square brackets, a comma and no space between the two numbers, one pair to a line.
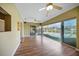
[70,32]
[61,31]
[53,31]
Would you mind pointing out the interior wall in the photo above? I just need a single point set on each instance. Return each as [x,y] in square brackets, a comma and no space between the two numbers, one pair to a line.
[73,13]
[78,28]
[26,30]
[9,41]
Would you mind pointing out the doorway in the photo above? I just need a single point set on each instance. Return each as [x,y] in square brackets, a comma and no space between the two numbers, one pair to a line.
[33,31]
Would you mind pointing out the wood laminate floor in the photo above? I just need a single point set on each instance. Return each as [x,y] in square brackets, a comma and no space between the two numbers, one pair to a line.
[44,47]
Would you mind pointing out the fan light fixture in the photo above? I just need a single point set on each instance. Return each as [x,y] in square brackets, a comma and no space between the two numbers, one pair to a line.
[50,7]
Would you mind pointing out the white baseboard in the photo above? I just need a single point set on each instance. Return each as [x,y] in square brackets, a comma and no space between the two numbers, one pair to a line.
[16,48]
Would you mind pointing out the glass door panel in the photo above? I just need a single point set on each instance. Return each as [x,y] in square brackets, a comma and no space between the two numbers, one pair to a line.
[53,31]
[70,32]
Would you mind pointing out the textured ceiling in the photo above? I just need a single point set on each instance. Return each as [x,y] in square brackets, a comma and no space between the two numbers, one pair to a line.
[30,11]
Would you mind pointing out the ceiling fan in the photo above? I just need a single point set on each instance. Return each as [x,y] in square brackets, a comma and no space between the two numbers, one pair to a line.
[51,6]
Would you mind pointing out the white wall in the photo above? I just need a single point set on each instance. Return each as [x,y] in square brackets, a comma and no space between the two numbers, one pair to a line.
[26,30]
[22,29]
[9,41]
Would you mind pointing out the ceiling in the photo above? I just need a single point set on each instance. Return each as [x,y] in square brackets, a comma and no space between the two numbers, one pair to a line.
[30,11]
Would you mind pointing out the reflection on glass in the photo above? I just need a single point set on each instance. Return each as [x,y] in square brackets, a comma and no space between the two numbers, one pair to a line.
[39,30]
[32,30]
[53,31]
[70,32]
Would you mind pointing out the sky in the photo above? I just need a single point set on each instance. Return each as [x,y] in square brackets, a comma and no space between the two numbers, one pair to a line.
[56,25]
[71,22]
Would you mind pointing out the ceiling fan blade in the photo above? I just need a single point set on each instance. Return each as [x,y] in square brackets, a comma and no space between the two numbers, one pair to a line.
[57,7]
[42,9]
[49,4]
